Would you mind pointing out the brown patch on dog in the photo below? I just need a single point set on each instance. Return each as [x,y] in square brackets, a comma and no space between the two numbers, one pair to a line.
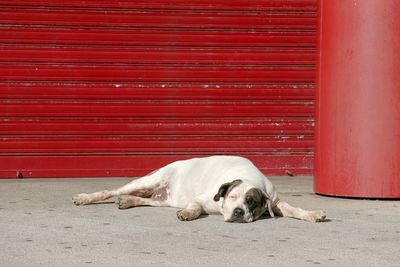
[226,188]
[161,193]
[256,202]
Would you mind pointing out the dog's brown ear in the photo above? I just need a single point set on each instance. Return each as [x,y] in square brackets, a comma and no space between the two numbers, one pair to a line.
[268,204]
[226,188]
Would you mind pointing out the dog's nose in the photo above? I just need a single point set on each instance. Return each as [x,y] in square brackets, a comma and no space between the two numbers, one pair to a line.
[238,212]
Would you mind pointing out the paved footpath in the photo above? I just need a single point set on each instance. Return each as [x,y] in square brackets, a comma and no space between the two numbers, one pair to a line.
[40,226]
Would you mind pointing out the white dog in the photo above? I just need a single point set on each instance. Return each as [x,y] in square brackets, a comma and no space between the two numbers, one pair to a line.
[228,185]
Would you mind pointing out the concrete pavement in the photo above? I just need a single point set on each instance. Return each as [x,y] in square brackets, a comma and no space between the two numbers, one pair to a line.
[40,226]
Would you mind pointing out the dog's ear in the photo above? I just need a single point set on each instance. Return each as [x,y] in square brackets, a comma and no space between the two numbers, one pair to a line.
[225,188]
[222,191]
[268,204]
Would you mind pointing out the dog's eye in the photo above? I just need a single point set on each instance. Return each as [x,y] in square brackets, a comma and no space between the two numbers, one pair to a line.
[233,197]
[250,201]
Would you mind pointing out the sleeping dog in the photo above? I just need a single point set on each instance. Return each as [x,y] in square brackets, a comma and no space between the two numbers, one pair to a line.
[227,185]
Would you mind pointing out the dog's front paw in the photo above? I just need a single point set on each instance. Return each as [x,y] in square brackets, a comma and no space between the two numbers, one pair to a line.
[184,215]
[316,216]
[81,199]
[320,216]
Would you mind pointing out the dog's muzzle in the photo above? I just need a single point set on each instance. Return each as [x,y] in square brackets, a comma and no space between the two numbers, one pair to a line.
[237,216]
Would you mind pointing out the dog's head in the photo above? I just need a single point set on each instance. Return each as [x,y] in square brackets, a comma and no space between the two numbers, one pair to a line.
[243,202]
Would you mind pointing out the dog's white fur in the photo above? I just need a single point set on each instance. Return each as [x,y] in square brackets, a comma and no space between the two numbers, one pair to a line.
[193,186]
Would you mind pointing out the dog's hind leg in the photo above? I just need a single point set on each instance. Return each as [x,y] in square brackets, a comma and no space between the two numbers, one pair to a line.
[285,210]
[144,183]
[127,201]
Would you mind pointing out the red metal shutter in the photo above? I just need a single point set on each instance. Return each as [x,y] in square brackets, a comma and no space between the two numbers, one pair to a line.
[117,88]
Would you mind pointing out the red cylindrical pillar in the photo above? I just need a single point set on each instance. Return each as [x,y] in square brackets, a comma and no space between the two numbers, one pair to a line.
[358,99]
